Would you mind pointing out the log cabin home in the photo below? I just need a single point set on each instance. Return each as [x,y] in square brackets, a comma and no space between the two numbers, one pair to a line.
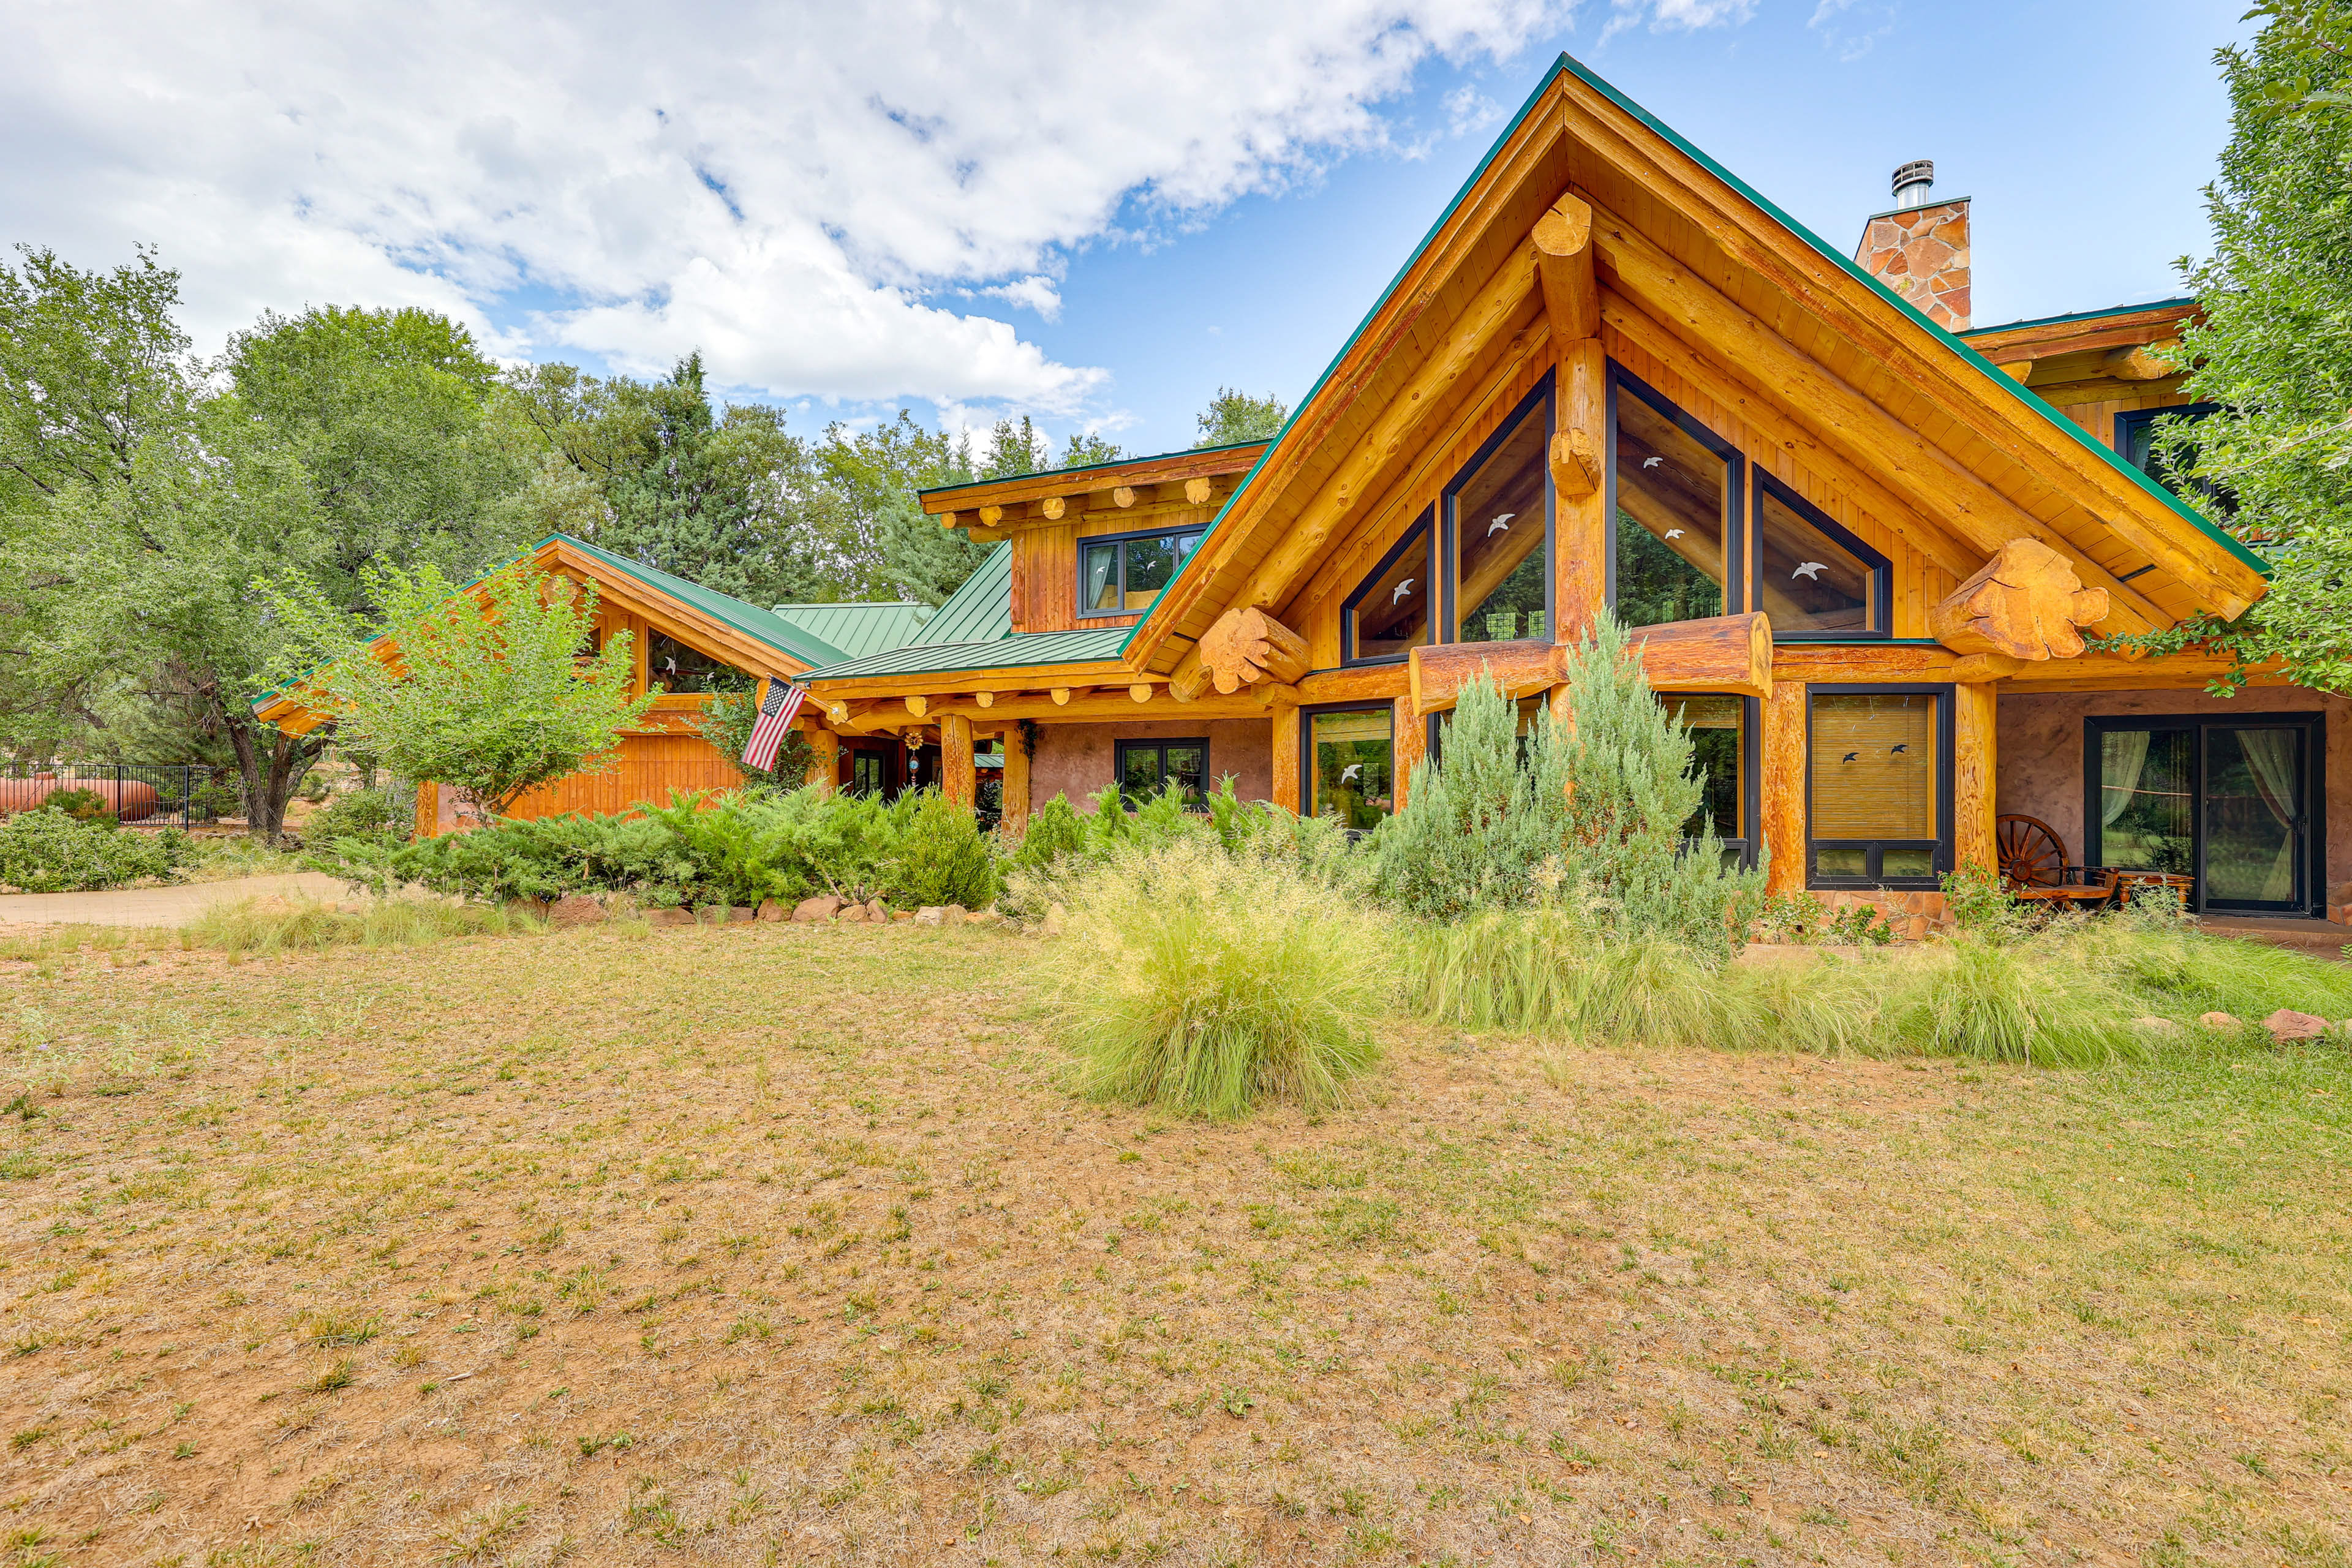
[1871,553]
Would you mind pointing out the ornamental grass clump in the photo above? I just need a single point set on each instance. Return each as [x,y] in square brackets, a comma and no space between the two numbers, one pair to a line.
[1205,981]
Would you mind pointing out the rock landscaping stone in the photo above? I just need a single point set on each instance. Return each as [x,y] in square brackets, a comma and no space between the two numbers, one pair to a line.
[669,917]
[878,912]
[575,910]
[984,918]
[743,912]
[2288,1024]
[2152,1025]
[954,915]
[769,910]
[2224,1022]
[851,915]
[932,915]
[809,912]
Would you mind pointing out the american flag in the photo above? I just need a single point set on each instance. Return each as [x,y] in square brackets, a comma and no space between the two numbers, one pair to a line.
[775,718]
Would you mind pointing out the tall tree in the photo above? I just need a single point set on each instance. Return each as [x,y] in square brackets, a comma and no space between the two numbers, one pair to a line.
[1234,416]
[2274,347]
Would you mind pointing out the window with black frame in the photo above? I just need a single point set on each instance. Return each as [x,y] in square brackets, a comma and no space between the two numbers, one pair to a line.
[1814,578]
[673,665]
[1718,731]
[1388,616]
[2140,439]
[1674,489]
[1146,768]
[1351,765]
[1880,787]
[1122,574]
[1498,515]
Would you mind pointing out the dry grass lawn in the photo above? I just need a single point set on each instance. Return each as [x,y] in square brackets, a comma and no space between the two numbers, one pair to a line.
[784,1245]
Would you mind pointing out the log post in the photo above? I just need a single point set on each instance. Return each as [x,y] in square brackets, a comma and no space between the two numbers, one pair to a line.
[1286,791]
[1783,792]
[1246,645]
[957,777]
[1579,537]
[1563,240]
[429,809]
[1975,709]
[1016,781]
[2026,602]
[1408,744]
[825,759]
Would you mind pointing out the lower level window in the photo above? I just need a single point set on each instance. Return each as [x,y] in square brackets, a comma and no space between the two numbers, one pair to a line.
[1717,728]
[1353,776]
[869,773]
[1880,778]
[1148,767]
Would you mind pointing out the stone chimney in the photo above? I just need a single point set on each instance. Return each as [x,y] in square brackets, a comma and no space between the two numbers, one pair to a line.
[1920,248]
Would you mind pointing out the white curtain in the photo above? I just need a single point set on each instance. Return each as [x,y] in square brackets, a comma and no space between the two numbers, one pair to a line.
[2122,754]
[2270,756]
[1099,563]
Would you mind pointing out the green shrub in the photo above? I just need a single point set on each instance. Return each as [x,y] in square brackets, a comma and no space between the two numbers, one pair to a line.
[1055,831]
[46,851]
[369,815]
[1484,819]
[82,804]
[1204,982]
[942,856]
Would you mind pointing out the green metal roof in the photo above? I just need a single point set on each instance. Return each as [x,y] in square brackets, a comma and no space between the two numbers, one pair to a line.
[1568,65]
[861,627]
[762,625]
[980,611]
[1021,649]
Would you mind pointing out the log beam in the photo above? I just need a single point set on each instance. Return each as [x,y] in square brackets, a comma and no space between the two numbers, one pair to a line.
[1408,745]
[1248,645]
[919,706]
[2025,603]
[1720,653]
[1563,246]
[825,759]
[1197,493]
[1436,673]
[1015,809]
[1285,791]
[1974,713]
[1053,508]
[1841,415]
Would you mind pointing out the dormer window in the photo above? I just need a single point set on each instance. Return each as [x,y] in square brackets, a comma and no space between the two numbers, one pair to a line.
[1122,574]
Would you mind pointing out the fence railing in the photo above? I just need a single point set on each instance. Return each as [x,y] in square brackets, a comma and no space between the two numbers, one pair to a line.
[138,794]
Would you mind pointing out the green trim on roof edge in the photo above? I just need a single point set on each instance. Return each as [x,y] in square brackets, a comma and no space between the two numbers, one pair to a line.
[2185,302]
[1568,65]
[1089,468]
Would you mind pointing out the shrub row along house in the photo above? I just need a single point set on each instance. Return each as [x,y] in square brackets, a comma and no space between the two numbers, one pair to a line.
[1870,553]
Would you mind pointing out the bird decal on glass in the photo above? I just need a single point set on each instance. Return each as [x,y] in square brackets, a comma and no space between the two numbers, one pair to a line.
[1900,749]
[1811,570]
[1674,533]
[1350,770]
[1652,462]
[1502,524]
[1402,590]
[1851,756]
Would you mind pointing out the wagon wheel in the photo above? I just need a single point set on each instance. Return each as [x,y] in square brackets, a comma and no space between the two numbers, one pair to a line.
[2031,853]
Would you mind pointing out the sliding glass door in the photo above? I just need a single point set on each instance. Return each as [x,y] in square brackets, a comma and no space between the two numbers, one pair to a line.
[2231,801]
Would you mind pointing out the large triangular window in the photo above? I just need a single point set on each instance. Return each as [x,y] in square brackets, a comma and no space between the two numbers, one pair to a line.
[1814,578]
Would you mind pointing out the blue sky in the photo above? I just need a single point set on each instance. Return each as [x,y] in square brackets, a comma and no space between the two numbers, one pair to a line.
[1094,214]
[2085,131]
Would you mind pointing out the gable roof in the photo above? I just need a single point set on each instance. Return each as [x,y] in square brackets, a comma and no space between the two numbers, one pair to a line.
[1020,650]
[2037,469]
[980,611]
[860,627]
[795,643]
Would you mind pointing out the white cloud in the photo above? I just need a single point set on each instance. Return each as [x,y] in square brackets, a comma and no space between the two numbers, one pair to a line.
[791,187]
[1851,36]
[1687,15]
[1468,111]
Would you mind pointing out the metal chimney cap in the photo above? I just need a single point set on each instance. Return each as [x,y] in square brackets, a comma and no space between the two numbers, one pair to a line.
[1911,182]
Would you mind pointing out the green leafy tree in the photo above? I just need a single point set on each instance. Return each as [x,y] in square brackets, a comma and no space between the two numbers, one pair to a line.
[484,690]
[1234,416]
[727,723]
[2274,346]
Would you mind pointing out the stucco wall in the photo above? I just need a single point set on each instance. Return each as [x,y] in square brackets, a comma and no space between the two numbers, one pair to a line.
[2039,757]
[1076,760]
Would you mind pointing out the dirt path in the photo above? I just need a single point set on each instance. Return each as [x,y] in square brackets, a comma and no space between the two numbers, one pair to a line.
[175,906]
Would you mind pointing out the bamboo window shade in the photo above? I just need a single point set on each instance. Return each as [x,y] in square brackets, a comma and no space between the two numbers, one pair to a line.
[1875,767]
